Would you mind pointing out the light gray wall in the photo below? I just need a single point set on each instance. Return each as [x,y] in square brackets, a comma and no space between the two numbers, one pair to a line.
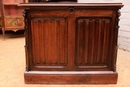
[124,30]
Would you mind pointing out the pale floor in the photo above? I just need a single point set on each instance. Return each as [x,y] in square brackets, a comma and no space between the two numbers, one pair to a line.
[12,65]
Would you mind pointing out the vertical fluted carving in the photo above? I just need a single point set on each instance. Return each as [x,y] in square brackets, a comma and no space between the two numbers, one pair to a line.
[92,41]
[50,46]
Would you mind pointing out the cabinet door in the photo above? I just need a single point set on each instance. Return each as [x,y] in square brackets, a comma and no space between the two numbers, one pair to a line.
[95,40]
[49,42]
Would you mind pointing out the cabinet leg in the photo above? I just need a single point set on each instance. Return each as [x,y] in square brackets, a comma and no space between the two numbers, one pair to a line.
[3,32]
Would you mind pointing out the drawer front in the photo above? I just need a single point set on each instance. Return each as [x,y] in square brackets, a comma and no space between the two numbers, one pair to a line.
[71,11]
[14,22]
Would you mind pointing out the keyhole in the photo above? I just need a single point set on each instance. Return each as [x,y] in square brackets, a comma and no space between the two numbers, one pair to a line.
[71,10]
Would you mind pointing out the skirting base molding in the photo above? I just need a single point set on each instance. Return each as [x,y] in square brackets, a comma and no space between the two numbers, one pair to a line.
[70,77]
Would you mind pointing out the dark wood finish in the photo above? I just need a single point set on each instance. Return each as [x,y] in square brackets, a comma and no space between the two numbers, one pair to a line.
[71,43]
[70,77]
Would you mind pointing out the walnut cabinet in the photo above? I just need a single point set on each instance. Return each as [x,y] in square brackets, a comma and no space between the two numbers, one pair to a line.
[71,43]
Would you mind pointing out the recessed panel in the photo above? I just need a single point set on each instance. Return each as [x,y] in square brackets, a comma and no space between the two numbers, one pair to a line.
[49,43]
[93,42]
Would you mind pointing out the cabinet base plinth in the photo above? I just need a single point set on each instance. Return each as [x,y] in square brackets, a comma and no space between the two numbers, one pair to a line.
[71,77]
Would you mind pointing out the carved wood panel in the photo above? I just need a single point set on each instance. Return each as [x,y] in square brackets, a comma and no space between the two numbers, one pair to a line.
[93,42]
[71,43]
[49,43]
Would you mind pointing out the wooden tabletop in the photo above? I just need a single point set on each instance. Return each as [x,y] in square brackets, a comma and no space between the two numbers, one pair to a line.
[69,4]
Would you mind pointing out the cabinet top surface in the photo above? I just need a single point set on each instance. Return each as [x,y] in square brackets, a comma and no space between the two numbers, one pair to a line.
[62,4]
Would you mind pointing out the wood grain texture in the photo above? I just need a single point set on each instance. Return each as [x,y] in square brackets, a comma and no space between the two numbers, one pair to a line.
[92,42]
[74,38]
[50,45]
[92,78]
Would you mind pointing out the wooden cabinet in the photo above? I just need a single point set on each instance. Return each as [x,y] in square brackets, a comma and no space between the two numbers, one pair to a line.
[12,18]
[71,43]
[1,16]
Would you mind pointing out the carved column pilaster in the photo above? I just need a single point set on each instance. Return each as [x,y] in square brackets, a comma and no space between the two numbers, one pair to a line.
[26,42]
[116,36]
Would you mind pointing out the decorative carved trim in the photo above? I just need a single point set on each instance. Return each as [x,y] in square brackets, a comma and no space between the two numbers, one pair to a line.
[26,36]
[48,19]
[116,36]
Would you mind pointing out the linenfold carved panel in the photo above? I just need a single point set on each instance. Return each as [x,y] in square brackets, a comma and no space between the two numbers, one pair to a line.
[49,47]
[93,43]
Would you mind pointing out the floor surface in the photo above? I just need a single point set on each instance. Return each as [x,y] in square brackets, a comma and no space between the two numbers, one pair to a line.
[12,65]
